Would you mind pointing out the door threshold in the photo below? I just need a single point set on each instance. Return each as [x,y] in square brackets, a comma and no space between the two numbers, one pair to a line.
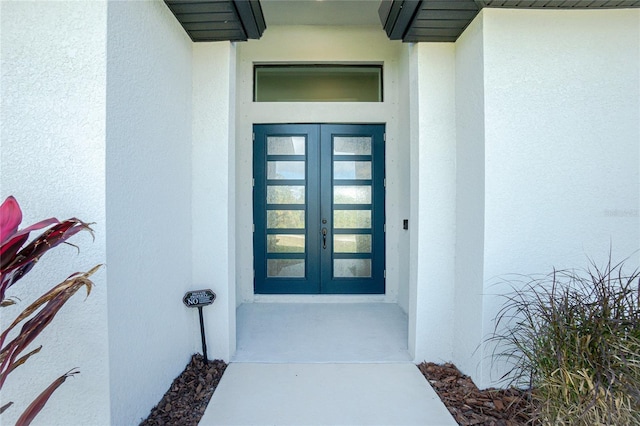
[319,298]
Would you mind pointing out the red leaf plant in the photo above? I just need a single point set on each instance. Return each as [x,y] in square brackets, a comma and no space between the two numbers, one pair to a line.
[16,259]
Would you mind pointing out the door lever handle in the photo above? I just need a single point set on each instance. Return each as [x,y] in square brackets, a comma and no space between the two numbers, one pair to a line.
[324,238]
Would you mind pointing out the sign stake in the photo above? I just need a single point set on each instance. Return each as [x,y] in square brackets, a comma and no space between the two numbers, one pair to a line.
[199,299]
[204,340]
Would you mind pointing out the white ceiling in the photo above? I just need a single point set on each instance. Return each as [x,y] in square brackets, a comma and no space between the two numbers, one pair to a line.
[321,12]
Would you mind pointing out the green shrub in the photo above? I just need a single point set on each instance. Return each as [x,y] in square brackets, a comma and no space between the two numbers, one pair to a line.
[574,337]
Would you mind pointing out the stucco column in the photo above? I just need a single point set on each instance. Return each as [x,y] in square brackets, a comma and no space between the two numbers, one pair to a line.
[213,190]
[433,146]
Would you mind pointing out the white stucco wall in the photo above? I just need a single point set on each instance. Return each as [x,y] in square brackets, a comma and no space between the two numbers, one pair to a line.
[562,141]
[321,44]
[562,106]
[213,178]
[547,170]
[149,172]
[432,224]
[470,186]
[405,85]
[52,159]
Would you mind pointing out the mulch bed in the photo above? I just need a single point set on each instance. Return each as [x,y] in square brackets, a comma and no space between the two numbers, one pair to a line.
[471,406]
[188,396]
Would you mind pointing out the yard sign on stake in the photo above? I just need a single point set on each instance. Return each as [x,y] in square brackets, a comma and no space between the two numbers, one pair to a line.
[198,299]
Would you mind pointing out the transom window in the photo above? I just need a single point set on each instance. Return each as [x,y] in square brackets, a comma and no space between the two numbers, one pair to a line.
[317,83]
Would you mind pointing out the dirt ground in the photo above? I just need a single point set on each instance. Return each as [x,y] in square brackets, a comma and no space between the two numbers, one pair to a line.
[471,406]
[188,396]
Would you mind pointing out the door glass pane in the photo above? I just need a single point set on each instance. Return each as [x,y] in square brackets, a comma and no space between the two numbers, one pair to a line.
[285,169]
[352,243]
[285,145]
[352,169]
[351,268]
[350,219]
[288,268]
[352,194]
[285,219]
[351,145]
[285,243]
[285,194]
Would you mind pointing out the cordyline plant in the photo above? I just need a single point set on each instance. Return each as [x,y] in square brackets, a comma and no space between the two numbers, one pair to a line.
[16,259]
[574,336]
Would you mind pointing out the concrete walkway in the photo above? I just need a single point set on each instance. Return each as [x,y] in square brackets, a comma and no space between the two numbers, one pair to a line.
[325,394]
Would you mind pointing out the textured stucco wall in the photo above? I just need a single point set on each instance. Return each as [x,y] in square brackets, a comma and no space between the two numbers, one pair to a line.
[148,169]
[562,141]
[432,223]
[470,168]
[213,190]
[562,106]
[547,170]
[405,85]
[52,155]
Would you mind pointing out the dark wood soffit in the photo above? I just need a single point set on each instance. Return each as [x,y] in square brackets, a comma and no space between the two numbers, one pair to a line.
[445,20]
[219,20]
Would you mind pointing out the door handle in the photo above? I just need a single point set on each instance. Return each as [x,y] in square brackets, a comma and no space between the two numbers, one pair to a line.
[324,238]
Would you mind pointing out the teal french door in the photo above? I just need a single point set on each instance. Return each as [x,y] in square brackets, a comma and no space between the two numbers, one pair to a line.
[318,201]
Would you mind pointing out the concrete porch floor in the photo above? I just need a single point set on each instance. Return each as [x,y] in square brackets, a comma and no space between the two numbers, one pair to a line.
[321,332]
[323,364]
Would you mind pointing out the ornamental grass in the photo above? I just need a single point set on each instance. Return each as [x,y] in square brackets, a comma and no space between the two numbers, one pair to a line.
[573,337]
